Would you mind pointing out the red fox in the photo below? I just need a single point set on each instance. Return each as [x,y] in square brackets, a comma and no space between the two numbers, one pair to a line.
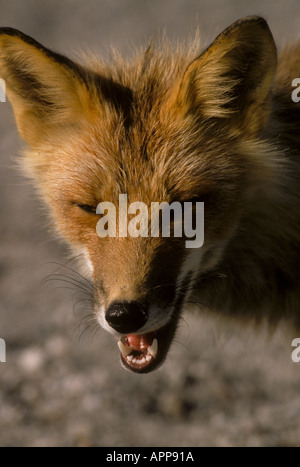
[169,125]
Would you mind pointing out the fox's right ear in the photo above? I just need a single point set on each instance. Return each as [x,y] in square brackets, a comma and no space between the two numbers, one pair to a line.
[46,90]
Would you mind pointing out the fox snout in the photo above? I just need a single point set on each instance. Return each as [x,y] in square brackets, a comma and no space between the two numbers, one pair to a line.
[143,323]
[139,352]
[126,317]
[142,343]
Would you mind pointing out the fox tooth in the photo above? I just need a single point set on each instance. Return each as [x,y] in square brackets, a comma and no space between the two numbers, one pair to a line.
[153,348]
[124,349]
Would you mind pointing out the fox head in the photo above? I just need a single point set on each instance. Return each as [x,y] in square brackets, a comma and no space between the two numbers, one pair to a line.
[162,127]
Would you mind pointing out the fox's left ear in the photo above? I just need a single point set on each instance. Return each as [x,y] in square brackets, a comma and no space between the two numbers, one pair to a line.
[231,80]
[47,90]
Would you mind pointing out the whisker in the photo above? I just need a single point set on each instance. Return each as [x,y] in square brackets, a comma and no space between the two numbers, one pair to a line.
[84,331]
[68,288]
[63,278]
[83,296]
[87,318]
[56,274]
[96,329]
[88,281]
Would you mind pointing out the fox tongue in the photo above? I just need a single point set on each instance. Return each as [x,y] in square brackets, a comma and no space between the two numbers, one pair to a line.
[140,342]
[139,348]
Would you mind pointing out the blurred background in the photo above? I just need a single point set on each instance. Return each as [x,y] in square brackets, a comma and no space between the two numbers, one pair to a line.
[62,384]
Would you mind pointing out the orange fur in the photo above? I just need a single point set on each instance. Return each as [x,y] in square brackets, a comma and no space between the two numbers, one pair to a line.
[168,125]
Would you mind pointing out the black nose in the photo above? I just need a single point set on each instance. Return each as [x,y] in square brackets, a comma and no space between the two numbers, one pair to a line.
[126,317]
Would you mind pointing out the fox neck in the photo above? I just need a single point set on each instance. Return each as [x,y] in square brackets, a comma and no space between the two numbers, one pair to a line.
[258,272]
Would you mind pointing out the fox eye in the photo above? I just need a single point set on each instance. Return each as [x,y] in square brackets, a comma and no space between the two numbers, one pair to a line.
[87,208]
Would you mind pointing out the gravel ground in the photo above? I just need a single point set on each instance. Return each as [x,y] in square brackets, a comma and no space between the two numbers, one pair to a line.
[62,384]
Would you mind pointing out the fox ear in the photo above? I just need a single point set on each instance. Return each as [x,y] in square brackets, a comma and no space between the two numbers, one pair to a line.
[47,90]
[231,80]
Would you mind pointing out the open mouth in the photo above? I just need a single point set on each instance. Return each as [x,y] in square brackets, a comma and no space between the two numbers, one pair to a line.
[143,353]
[139,352]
